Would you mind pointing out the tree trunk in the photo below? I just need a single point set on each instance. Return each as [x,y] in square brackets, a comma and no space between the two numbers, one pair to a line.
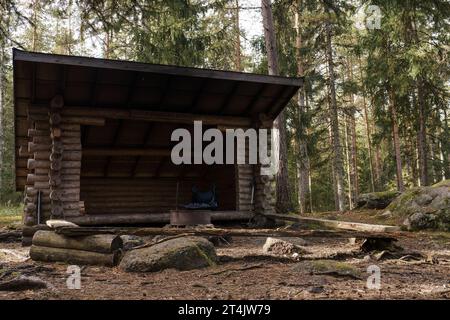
[368,134]
[238,66]
[353,142]
[303,159]
[337,150]
[396,141]
[2,134]
[422,136]
[283,201]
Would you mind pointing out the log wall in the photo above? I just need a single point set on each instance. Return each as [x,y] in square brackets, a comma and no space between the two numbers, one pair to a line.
[147,195]
[53,154]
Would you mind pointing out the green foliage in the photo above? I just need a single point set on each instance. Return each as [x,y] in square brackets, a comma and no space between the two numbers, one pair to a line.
[409,53]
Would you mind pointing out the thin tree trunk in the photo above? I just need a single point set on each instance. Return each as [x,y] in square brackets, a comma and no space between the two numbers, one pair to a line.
[353,143]
[422,137]
[347,157]
[337,150]
[238,66]
[2,134]
[35,24]
[283,201]
[446,146]
[302,160]
[396,141]
[368,134]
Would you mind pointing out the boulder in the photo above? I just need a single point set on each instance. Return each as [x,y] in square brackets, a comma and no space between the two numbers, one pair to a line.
[282,247]
[129,242]
[185,253]
[424,207]
[376,200]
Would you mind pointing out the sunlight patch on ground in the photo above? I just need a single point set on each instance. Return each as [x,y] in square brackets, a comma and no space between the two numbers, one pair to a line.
[10,215]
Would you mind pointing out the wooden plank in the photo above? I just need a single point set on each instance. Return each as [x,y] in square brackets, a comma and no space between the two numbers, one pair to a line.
[345,225]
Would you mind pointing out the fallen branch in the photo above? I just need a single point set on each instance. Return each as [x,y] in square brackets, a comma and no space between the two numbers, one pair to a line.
[23,283]
[255,266]
[344,225]
[15,235]
[151,244]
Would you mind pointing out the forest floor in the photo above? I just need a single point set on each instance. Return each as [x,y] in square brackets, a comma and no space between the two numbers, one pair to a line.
[245,272]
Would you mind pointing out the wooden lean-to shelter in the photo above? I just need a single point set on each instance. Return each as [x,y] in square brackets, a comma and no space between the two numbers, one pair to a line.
[93,137]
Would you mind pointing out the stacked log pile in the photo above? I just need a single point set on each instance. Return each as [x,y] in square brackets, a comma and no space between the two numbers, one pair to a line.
[101,249]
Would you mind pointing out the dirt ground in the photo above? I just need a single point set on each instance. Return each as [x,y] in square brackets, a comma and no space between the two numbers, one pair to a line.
[244,272]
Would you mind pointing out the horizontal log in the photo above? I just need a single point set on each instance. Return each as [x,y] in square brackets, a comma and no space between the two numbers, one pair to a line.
[72,256]
[70,177]
[83,120]
[42,140]
[120,152]
[80,231]
[345,225]
[23,152]
[101,243]
[130,218]
[71,134]
[7,236]
[72,147]
[70,140]
[32,178]
[32,191]
[42,125]
[66,155]
[30,231]
[36,133]
[157,116]
[70,127]
[33,164]
[33,147]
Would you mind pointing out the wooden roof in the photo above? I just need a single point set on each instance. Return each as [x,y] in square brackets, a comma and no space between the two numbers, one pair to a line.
[123,84]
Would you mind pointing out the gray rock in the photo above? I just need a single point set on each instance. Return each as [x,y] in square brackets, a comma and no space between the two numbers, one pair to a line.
[129,242]
[376,200]
[423,199]
[419,220]
[424,207]
[185,253]
[282,247]
[387,214]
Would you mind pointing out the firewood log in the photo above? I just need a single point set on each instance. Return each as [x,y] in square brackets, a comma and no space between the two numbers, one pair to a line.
[81,257]
[101,243]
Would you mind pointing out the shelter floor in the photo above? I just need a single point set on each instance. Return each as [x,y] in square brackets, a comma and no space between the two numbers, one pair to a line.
[246,273]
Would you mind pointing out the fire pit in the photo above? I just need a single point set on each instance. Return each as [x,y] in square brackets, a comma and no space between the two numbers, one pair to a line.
[190,217]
